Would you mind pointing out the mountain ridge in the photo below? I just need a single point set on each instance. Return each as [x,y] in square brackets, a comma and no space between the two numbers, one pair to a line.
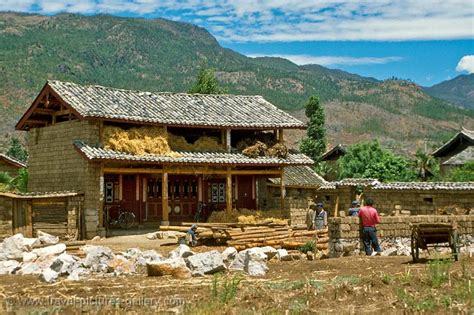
[459,91]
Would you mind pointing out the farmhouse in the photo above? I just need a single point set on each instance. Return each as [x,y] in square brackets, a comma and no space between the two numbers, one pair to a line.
[457,151]
[75,130]
[9,164]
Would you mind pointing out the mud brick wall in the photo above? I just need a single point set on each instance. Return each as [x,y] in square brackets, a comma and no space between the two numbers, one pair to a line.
[53,163]
[397,226]
[6,218]
[420,202]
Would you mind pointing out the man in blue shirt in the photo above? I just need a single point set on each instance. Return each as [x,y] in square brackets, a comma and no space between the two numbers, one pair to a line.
[191,235]
[320,217]
[354,210]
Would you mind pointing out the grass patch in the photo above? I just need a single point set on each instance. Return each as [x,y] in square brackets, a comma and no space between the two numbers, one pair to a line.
[438,271]
[307,247]
[345,280]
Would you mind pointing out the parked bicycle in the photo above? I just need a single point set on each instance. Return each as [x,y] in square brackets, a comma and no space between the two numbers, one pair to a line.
[125,218]
[200,212]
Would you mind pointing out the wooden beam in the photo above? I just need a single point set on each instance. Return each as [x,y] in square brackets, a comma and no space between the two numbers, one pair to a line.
[44,111]
[36,122]
[137,187]
[29,220]
[280,136]
[194,171]
[228,191]
[63,112]
[164,199]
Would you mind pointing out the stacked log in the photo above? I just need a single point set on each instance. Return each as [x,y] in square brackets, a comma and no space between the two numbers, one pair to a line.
[242,236]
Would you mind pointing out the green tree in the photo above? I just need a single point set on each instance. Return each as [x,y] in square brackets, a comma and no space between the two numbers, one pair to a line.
[18,183]
[370,160]
[17,150]
[206,82]
[314,144]
[425,165]
[464,173]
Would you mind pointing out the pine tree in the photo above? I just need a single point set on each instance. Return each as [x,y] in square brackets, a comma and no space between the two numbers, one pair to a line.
[206,82]
[314,145]
[16,150]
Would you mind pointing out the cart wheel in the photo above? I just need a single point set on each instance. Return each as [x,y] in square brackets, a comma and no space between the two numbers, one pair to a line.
[455,246]
[414,249]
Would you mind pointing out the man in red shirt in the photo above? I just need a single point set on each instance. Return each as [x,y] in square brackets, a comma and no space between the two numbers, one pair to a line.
[369,218]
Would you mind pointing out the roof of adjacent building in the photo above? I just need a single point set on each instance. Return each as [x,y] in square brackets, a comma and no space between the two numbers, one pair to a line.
[39,195]
[12,161]
[462,157]
[300,176]
[175,109]
[101,154]
[376,185]
[334,153]
[456,144]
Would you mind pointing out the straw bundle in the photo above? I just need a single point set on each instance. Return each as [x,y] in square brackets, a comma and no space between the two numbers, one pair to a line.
[203,144]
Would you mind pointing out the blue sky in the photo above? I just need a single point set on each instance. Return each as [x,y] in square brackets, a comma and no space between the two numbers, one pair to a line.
[427,41]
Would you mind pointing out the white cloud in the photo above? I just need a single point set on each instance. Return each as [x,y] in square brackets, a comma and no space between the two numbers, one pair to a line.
[331,60]
[291,20]
[466,64]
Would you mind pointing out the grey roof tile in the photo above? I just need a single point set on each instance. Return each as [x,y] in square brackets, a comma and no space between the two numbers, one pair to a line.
[11,160]
[462,157]
[302,176]
[180,109]
[93,153]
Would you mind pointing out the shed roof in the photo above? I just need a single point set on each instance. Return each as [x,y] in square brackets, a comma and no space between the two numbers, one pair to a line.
[462,157]
[425,186]
[176,109]
[12,161]
[456,144]
[334,153]
[300,176]
[205,158]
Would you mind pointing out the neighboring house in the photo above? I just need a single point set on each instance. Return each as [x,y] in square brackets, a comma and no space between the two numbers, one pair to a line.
[301,184]
[331,157]
[65,143]
[456,152]
[10,165]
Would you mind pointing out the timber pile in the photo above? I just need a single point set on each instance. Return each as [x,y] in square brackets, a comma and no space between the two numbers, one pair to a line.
[242,236]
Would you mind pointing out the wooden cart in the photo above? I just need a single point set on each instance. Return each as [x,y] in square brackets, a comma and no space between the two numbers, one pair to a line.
[433,235]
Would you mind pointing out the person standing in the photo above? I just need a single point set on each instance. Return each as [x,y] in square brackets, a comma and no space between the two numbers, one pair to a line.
[310,216]
[354,209]
[370,218]
[320,217]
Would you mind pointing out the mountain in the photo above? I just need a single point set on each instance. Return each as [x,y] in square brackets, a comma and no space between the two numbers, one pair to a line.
[163,55]
[459,91]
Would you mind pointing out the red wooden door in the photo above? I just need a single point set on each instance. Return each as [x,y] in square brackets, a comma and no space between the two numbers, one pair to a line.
[245,188]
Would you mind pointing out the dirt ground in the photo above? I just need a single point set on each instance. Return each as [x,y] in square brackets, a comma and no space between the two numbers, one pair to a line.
[345,285]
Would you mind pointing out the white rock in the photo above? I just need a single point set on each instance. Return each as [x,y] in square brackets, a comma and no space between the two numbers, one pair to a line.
[269,251]
[30,243]
[50,250]
[255,262]
[174,266]
[28,257]
[76,273]
[96,255]
[29,268]
[132,253]
[238,263]
[12,247]
[8,266]
[229,254]
[147,257]
[46,238]
[120,265]
[96,238]
[64,264]
[49,275]
[390,252]
[205,263]
[282,254]
[182,251]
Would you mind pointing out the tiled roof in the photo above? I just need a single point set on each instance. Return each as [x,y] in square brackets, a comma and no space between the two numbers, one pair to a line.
[300,176]
[461,140]
[39,195]
[178,109]
[334,152]
[12,161]
[353,182]
[426,186]
[462,157]
[98,154]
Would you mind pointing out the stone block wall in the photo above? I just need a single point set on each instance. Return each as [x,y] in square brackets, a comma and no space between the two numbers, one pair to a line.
[6,217]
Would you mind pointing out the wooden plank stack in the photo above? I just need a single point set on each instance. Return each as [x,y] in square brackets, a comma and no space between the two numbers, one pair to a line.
[242,236]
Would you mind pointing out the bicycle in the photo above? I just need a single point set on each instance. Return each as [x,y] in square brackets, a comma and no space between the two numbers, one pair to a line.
[125,218]
[199,212]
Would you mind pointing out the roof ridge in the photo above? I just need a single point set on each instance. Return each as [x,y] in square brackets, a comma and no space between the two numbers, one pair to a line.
[152,92]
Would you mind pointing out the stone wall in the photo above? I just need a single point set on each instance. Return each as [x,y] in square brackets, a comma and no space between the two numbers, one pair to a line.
[6,223]
[344,233]
[419,202]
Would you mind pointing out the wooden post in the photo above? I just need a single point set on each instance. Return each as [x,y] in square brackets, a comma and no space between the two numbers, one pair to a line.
[29,220]
[228,188]
[280,136]
[336,207]
[164,199]
[120,187]
[228,140]
[282,189]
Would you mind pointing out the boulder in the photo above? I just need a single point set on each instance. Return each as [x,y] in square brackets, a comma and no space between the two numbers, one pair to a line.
[8,266]
[255,262]
[46,238]
[238,263]
[147,257]
[282,254]
[175,267]
[12,247]
[50,250]
[165,235]
[229,254]
[132,253]
[205,263]
[30,243]
[64,264]
[76,273]
[28,256]
[310,256]
[29,268]
[182,251]
[49,275]
[96,255]
[269,251]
